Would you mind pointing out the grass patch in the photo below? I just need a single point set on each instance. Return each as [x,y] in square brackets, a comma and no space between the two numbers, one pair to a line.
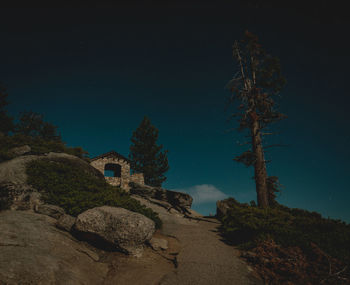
[76,190]
[247,225]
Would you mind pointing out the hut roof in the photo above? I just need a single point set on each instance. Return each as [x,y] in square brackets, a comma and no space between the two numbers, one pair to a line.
[111,153]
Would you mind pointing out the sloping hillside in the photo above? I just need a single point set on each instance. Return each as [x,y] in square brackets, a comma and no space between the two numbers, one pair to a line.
[47,246]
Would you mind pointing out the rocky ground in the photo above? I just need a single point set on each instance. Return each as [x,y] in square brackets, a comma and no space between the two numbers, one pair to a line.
[39,244]
[32,249]
[203,257]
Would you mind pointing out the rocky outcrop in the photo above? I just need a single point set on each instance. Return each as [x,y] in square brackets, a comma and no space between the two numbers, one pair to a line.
[180,201]
[166,212]
[158,243]
[18,196]
[114,228]
[20,150]
[15,193]
[65,222]
[49,210]
[34,251]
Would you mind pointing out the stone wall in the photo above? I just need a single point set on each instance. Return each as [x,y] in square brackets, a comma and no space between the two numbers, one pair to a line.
[125,177]
[121,181]
[137,178]
[115,181]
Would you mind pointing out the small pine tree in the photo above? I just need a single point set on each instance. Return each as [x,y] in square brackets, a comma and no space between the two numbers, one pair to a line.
[146,156]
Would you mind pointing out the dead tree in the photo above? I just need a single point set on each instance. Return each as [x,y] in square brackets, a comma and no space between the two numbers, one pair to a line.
[253,88]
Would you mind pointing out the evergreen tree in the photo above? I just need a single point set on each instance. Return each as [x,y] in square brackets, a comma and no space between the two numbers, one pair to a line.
[146,156]
[6,122]
[33,124]
[254,88]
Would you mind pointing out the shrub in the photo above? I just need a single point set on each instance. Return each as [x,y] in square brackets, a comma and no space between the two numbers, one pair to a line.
[76,190]
[38,146]
[246,226]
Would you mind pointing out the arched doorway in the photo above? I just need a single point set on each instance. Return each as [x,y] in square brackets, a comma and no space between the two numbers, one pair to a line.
[112,170]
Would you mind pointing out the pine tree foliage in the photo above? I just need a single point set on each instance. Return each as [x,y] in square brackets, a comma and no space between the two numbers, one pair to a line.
[31,130]
[32,124]
[146,156]
[254,88]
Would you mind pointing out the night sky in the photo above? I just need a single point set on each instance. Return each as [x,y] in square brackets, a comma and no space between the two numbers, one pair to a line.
[95,70]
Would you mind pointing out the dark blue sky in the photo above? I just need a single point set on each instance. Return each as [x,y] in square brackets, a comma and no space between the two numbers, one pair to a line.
[96,70]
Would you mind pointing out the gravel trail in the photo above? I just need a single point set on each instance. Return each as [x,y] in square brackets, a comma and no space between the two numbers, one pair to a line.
[205,258]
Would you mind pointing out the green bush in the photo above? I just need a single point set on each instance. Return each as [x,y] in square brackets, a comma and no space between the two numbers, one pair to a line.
[246,225]
[76,190]
[38,146]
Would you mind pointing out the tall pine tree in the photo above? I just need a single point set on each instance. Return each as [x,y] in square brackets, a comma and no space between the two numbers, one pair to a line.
[146,156]
[255,86]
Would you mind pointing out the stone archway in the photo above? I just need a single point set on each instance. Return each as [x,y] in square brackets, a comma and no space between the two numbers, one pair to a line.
[116,169]
[112,170]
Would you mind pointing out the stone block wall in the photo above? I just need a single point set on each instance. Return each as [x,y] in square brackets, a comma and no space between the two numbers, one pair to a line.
[125,177]
[137,178]
[115,181]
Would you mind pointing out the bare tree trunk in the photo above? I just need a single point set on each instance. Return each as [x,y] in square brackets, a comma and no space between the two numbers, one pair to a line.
[260,165]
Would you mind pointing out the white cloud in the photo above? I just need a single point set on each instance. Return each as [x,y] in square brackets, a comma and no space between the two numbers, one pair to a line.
[204,193]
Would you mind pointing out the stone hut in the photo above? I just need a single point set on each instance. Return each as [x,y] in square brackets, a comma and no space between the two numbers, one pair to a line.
[116,169]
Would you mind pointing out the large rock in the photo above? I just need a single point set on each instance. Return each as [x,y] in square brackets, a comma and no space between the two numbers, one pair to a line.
[20,150]
[15,193]
[49,210]
[65,222]
[18,196]
[34,251]
[115,229]
[158,243]
[166,213]
[180,201]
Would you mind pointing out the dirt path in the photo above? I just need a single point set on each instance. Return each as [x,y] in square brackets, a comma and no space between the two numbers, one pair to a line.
[203,258]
